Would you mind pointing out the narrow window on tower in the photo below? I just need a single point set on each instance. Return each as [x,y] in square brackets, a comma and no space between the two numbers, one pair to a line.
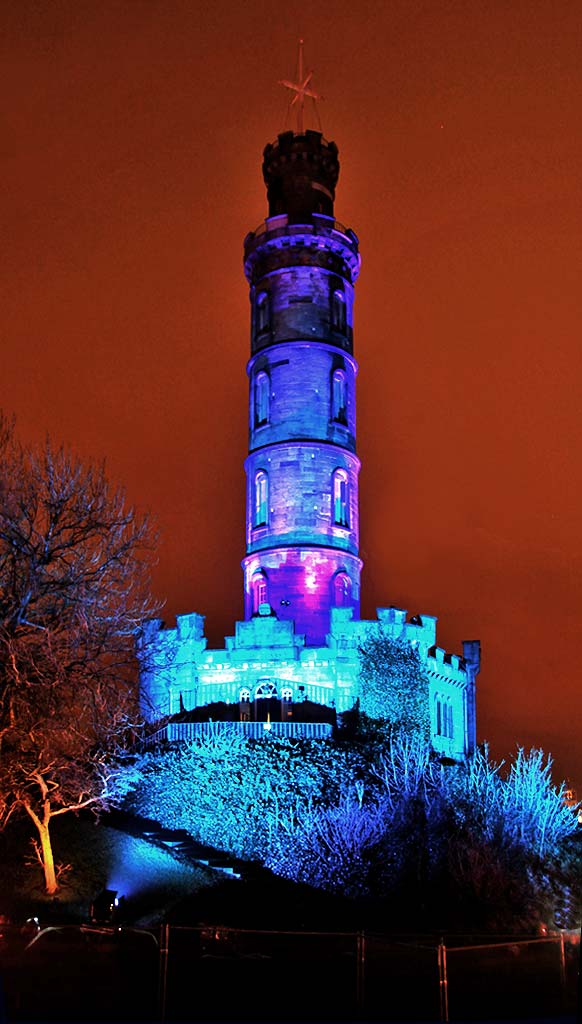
[338,311]
[263,318]
[262,394]
[340,498]
[261,498]
[449,720]
[342,590]
[339,404]
[259,591]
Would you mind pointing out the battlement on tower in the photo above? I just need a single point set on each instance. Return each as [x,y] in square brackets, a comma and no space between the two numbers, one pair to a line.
[301,172]
[323,242]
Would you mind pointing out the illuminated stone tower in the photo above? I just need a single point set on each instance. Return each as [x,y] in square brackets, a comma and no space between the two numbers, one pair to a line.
[302,468]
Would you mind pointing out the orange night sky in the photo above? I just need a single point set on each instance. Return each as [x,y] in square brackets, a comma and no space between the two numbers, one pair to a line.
[132,135]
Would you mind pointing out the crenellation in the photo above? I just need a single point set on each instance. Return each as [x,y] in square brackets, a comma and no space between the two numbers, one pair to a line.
[190,627]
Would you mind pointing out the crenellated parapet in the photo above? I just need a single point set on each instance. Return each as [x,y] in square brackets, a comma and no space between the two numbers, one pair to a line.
[418,630]
[320,242]
[300,170]
[266,631]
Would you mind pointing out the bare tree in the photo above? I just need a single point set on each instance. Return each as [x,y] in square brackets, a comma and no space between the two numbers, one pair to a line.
[74,563]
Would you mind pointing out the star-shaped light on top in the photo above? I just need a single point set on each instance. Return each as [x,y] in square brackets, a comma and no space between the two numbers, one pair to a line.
[301,90]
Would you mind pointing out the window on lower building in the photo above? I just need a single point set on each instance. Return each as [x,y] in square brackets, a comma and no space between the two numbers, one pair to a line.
[340,498]
[286,703]
[244,706]
[188,699]
[444,718]
[265,688]
[449,710]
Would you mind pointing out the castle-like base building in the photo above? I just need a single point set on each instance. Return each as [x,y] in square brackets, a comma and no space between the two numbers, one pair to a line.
[302,633]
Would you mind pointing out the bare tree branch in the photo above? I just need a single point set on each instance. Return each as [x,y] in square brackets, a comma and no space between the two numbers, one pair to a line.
[74,592]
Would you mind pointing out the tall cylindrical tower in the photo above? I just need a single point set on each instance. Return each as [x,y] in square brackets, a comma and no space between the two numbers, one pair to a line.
[302,468]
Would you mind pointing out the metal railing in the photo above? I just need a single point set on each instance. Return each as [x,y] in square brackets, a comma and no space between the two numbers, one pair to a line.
[212,972]
[363,976]
[185,732]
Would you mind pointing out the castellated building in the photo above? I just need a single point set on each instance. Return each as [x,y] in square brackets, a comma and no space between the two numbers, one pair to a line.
[300,639]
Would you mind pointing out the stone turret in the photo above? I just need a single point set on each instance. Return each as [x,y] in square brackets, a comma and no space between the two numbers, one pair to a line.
[302,468]
[301,173]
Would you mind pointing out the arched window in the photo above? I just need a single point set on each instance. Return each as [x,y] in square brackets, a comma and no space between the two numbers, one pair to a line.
[262,395]
[342,590]
[339,403]
[286,703]
[338,310]
[261,497]
[263,317]
[244,705]
[340,498]
[265,689]
[259,591]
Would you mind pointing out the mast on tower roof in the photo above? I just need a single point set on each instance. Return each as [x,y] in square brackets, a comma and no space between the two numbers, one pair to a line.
[301,90]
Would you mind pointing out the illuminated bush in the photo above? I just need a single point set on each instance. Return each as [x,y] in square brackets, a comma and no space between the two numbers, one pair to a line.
[393,684]
[385,819]
[332,847]
[238,794]
[519,809]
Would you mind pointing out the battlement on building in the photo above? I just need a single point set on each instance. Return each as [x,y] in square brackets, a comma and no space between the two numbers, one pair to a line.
[392,622]
[266,653]
[265,629]
[189,627]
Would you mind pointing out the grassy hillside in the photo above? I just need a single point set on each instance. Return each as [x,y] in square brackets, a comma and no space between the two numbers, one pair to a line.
[151,880]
